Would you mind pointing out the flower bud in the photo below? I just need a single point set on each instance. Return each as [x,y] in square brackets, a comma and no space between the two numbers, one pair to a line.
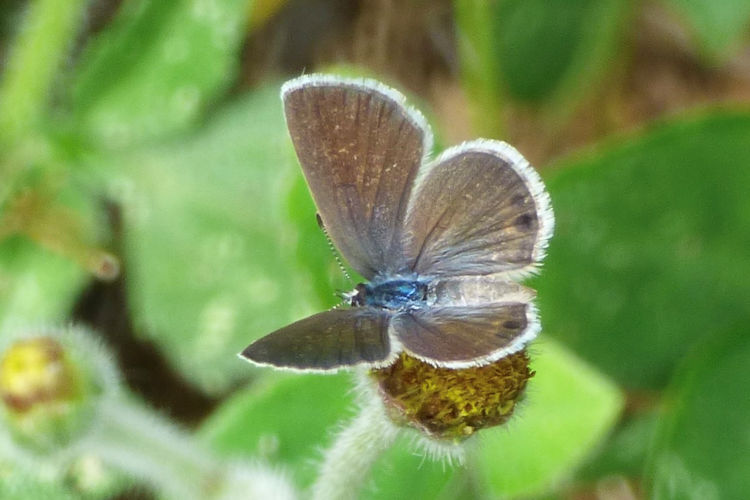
[452,404]
[48,387]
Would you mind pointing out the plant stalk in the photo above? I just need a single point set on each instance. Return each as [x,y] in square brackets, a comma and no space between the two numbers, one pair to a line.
[41,44]
[347,463]
[135,441]
[479,69]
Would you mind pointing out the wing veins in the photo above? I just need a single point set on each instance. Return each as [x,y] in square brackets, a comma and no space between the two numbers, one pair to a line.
[430,234]
[436,332]
[380,172]
[468,248]
[427,238]
[403,199]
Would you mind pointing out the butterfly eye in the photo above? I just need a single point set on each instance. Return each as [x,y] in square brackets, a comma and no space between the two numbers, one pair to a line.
[359,296]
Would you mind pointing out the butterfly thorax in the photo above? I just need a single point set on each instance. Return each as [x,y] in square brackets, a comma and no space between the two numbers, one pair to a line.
[396,293]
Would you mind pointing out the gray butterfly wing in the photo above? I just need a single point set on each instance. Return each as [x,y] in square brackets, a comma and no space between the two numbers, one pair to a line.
[326,341]
[464,336]
[360,149]
[479,209]
[478,290]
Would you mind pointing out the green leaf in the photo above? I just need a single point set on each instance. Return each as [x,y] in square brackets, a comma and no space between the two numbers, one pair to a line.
[719,27]
[23,485]
[287,422]
[624,453]
[648,255]
[153,70]
[569,42]
[36,285]
[569,409]
[703,441]
[210,246]
[315,255]
[402,472]
[538,50]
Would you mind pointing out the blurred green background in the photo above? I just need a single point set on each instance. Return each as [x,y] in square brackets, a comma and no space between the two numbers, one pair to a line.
[151,131]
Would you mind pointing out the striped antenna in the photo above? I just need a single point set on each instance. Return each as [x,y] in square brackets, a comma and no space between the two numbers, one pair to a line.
[334,251]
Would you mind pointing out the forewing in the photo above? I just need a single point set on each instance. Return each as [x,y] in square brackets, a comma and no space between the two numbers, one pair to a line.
[326,341]
[360,149]
[479,209]
[460,336]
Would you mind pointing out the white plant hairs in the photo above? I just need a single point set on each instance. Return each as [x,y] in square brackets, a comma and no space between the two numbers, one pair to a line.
[356,446]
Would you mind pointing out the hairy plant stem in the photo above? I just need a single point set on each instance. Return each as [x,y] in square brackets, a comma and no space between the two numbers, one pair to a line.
[85,413]
[147,447]
[347,463]
[130,438]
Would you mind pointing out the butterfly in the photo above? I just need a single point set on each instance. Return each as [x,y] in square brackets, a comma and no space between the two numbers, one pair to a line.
[441,242]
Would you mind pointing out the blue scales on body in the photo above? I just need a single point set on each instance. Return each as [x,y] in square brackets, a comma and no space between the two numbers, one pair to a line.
[393,293]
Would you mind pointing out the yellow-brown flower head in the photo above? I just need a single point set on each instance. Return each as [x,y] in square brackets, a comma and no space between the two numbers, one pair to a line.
[41,390]
[449,403]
